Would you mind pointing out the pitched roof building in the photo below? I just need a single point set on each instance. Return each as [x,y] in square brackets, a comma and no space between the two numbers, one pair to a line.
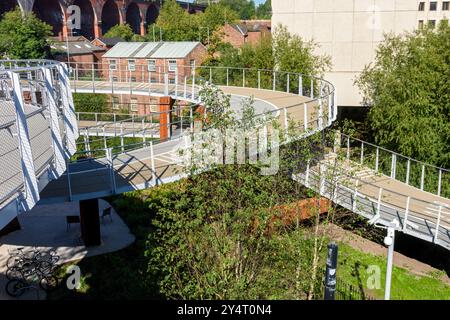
[79,49]
[107,43]
[138,59]
[247,31]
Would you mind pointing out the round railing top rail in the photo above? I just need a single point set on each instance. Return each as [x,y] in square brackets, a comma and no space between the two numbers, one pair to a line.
[368,183]
[396,153]
[273,71]
[27,65]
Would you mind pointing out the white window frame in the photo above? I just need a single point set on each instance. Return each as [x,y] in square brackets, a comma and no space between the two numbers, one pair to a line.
[131,65]
[116,105]
[151,62]
[154,108]
[113,64]
[170,64]
[134,105]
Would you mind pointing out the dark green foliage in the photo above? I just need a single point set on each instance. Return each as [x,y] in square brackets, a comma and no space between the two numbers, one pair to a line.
[91,102]
[23,36]
[283,51]
[264,10]
[407,88]
[123,31]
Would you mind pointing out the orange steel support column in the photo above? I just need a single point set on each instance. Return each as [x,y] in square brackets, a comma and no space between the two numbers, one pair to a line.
[165,118]
[98,30]
[143,31]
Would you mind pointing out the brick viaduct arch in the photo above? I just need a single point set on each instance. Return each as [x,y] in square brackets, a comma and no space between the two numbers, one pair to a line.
[97,16]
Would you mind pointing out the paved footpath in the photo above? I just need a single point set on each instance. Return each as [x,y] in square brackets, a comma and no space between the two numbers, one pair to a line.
[45,227]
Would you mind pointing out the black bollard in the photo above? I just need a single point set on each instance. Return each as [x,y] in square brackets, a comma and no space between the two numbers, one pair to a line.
[330,275]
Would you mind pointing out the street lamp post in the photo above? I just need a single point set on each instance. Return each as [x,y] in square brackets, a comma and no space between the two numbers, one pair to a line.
[389,242]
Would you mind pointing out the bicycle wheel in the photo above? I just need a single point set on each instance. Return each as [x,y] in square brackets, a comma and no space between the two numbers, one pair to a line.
[13,261]
[16,288]
[49,283]
[14,273]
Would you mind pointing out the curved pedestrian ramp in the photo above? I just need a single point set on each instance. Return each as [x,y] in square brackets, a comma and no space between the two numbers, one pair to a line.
[373,182]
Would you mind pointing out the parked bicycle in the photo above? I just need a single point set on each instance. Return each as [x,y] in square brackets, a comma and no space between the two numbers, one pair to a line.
[31,269]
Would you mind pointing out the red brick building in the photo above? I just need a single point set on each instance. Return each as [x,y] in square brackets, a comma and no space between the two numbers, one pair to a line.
[106,43]
[149,61]
[247,31]
[78,49]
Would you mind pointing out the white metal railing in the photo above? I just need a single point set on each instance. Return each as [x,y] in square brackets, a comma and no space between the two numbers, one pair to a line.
[421,175]
[37,104]
[423,219]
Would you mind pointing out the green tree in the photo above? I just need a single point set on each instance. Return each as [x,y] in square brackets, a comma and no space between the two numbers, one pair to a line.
[216,15]
[293,54]
[407,89]
[90,102]
[176,23]
[24,36]
[123,31]
[264,10]
[283,52]
[245,8]
[219,234]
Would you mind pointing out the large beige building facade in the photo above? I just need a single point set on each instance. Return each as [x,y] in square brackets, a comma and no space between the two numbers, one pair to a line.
[350,30]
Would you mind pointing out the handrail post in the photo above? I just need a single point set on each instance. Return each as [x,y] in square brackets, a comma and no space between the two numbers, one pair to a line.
[166,84]
[259,79]
[288,84]
[408,168]
[312,89]
[376,159]
[305,117]
[274,80]
[405,219]
[176,83]
[105,145]
[143,129]
[422,177]
[132,124]
[152,160]
[210,75]
[355,194]
[243,78]
[348,147]
[286,123]
[193,85]
[191,118]
[111,170]
[438,222]
[393,165]
[362,153]
[121,137]
[181,116]
[300,85]
[69,184]
[380,191]
[93,78]
[185,87]
[439,182]
[320,114]
[228,77]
